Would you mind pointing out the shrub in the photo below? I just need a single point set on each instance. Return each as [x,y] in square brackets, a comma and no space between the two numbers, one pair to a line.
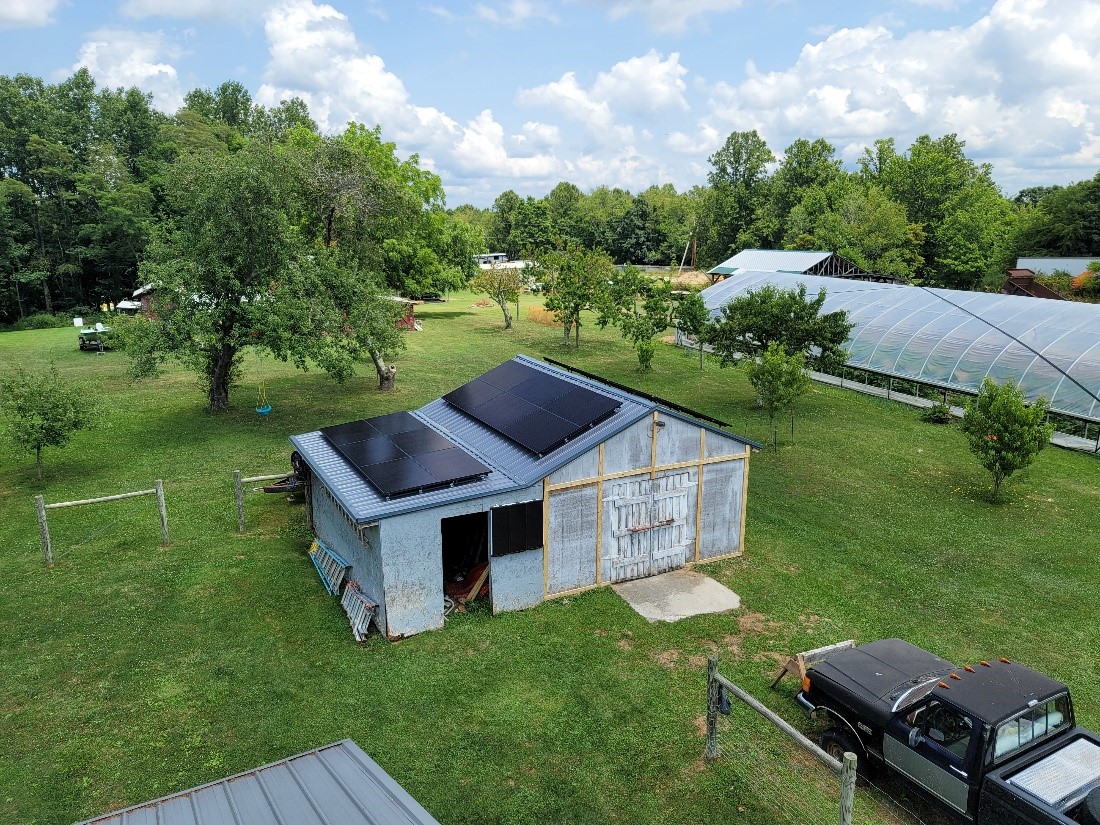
[938,413]
[42,320]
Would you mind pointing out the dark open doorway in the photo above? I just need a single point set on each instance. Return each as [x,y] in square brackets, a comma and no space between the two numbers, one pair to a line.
[465,541]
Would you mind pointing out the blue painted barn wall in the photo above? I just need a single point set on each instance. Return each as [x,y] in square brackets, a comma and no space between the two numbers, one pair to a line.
[571,541]
[336,529]
[412,558]
[516,580]
[720,527]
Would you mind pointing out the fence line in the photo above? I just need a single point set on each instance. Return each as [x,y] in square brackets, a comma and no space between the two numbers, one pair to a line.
[238,489]
[44,528]
[717,684]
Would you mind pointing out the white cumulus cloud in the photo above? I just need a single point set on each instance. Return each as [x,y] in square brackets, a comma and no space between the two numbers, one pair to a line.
[119,57]
[26,13]
[671,16]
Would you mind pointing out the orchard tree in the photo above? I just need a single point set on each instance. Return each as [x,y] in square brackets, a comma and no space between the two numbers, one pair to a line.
[755,319]
[641,307]
[1004,432]
[779,379]
[41,409]
[693,318]
[576,279]
[502,284]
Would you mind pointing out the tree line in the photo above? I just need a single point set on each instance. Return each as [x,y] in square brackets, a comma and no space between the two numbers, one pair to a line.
[928,214]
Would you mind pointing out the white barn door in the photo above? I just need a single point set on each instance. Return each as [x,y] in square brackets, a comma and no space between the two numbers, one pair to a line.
[650,529]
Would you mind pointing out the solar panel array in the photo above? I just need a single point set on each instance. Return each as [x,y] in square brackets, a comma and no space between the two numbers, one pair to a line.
[399,455]
[539,412]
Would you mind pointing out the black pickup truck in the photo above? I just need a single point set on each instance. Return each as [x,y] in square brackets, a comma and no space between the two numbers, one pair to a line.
[994,742]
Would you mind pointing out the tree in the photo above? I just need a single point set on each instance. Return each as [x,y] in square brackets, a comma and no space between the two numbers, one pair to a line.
[779,379]
[1003,431]
[693,318]
[44,410]
[755,319]
[232,273]
[738,190]
[502,284]
[641,307]
[576,280]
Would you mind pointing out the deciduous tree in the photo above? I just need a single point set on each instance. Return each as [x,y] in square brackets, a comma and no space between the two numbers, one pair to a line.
[779,379]
[1004,432]
[502,284]
[42,409]
[693,318]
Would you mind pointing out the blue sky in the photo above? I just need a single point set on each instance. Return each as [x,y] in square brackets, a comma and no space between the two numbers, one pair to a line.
[520,94]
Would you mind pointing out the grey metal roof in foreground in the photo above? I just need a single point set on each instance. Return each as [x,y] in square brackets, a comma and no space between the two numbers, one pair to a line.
[955,339]
[513,467]
[337,783]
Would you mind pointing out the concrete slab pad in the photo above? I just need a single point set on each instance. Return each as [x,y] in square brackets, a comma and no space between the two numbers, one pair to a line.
[676,595]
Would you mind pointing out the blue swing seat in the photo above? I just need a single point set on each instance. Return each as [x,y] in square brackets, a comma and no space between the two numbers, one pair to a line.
[264,410]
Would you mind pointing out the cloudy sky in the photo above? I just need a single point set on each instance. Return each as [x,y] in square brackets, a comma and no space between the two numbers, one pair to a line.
[520,94]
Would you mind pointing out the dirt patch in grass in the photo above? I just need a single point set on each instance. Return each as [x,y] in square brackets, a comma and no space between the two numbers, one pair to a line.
[756,623]
[669,658]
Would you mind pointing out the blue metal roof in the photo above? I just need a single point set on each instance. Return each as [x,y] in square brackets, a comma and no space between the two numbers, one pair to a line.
[512,467]
[955,339]
[334,783]
[1047,266]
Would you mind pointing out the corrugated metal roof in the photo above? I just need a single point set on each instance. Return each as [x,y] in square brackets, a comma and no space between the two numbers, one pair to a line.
[337,783]
[513,468]
[1047,266]
[771,260]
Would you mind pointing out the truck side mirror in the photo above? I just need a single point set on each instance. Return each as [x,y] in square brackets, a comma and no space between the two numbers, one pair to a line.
[915,737]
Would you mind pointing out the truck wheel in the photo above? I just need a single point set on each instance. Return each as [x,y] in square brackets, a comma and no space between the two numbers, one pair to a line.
[836,743]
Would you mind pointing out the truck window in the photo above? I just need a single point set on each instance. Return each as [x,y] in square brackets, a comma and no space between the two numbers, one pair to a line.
[945,727]
[1037,722]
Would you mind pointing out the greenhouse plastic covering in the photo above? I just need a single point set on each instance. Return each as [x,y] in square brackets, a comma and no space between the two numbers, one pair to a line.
[955,339]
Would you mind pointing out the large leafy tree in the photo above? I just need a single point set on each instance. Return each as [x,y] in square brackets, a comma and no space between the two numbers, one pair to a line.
[755,319]
[640,306]
[1004,432]
[576,279]
[232,273]
[503,285]
[693,319]
[738,190]
[42,409]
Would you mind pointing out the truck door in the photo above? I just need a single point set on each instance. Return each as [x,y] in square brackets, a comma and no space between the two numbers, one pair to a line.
[934,746]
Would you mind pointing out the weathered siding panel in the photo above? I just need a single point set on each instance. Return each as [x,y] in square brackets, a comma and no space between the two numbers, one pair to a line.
[333,526]
[516,580]
[720,529]
[677,441]
[649,525]
[586,466]
[571,544]
[630,449]
[719,445]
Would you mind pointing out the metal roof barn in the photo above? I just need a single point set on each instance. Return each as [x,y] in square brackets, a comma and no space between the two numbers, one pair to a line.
[334,783]
[526,483]
[802,262]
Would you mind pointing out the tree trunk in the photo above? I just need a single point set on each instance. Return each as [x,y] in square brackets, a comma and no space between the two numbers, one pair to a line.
[387,376]
[220,377]
[507,316]
[577,334]
[566,329]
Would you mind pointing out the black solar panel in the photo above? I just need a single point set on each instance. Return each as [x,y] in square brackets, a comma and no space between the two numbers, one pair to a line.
[400,455]
[539,412]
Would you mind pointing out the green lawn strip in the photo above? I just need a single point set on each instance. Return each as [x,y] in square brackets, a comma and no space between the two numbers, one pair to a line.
[131,670]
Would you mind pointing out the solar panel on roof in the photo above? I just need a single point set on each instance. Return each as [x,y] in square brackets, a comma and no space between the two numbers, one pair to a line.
[538,411]
[402,454]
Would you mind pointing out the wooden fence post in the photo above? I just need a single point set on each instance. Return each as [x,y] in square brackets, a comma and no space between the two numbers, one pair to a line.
[163,512]
[238,489]
[44,529]
[847,788]
[713,689]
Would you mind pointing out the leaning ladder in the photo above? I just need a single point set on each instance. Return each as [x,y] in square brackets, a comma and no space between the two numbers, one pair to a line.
[360,610]
[332,569]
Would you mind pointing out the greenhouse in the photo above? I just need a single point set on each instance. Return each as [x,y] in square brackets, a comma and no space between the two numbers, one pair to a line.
[953,340]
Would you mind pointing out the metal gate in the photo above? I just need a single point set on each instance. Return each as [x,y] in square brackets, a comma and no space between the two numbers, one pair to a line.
[650,528]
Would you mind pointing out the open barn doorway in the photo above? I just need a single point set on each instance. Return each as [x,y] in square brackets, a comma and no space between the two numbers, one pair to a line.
[465,541]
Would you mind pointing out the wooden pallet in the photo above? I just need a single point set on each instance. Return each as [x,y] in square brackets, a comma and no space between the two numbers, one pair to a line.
[798,663]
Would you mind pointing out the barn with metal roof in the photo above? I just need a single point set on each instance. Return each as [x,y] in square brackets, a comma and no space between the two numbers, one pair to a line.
[526,483]
[334,783]
[954,339]
[802,262]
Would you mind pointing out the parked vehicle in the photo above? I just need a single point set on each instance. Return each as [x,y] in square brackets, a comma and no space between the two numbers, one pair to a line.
[995,742]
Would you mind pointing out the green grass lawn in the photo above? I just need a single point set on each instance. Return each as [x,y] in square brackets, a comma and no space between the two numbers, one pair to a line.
[131,670]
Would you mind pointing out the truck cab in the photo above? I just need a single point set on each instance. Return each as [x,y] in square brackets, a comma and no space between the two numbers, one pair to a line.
[992,742]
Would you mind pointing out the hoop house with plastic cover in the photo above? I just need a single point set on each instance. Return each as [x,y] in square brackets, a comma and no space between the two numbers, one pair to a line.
[954,339]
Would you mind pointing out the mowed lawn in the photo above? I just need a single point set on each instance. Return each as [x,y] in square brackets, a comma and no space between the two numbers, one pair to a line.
[131,670]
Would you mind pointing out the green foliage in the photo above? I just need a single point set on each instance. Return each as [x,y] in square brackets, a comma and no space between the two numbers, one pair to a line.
[502,285]
[43,320]
[575,280]
[641,307]
[693,318]
[1004,432]
[779,379]
[752,321]
[937,413]
[44,410]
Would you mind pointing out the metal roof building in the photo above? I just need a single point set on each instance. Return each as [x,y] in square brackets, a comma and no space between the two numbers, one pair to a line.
[1048,266]
[334,783]
[955,339]
[796,261]
[565,483]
